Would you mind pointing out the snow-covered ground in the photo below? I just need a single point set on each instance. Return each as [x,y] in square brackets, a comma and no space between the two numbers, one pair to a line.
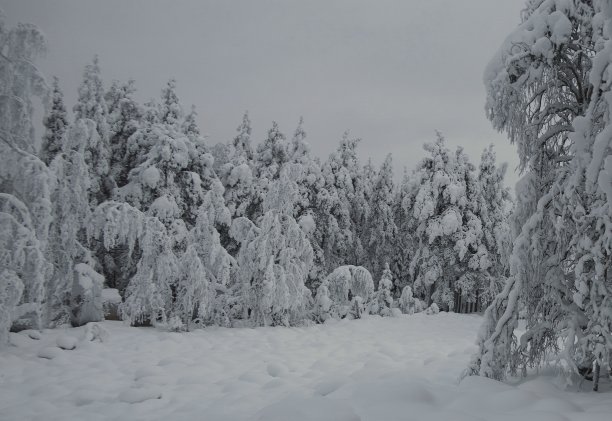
[378,369]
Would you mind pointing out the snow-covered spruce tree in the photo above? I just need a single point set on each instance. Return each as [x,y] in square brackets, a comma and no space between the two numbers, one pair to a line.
[448,254]
[474,261]
[306,208]
[56,124]
[25,206]
[339,243]
[537,85]
[404,243]
[70,206]
[274,258]
[92,105]
[381,229]
[383,299]
[236,174]
[495,205]
[124,119]
[270,157]
[171,182]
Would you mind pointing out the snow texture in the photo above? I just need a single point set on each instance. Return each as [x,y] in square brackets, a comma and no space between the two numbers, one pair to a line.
[373,369]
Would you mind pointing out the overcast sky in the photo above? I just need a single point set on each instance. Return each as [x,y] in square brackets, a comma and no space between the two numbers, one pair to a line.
[391,71]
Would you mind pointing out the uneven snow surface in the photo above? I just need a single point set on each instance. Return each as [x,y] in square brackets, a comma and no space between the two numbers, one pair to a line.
[403,368]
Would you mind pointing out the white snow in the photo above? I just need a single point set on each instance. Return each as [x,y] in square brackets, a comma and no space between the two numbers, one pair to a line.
[368,369]
[66,342]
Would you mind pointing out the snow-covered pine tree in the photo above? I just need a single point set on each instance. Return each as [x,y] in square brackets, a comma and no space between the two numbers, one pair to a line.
[404,245]
[269,160]
[337,232]
[306,209]
[25,206]
[236,175]
[171,182]
[275,258]
[383,300]
[447,232]
[92,105]
[381,229]
[56,124]
[495,205]
[67,238]
[124,119]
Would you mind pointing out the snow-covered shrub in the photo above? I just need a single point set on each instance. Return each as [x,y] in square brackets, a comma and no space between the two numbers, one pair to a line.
[383,299]
[409,304]
[86,297]
[322,304]
[432,309]
[357,308]
[342,285]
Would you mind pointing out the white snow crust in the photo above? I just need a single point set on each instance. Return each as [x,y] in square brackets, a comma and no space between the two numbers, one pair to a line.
[392,368]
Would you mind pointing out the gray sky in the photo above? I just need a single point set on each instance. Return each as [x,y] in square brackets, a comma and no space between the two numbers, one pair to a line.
[391,71]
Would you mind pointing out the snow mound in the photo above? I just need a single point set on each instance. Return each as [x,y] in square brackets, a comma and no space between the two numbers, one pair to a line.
[66,342]
[50,352]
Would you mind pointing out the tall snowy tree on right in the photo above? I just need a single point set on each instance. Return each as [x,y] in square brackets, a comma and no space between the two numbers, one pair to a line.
[549,89]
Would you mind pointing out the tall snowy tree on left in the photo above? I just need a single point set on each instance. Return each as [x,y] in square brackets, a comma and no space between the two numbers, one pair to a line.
[25,207]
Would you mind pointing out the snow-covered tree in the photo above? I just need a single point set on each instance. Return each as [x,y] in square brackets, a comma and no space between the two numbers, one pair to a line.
[124,119]
[404,244]
[171,181]
[216,262]
[56,124]
[383,301]
[339,242]
[448,254]
[237,173]
[494,209]
[92,105]
[25,206]
[381,228]
[148,296]
[537,86]
[307,208]
[274,258]
[67,240]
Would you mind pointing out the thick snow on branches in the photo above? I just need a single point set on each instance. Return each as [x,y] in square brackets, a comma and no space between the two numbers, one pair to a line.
[249,232]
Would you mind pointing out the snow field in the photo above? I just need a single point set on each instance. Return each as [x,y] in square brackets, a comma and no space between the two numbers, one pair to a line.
[403,368]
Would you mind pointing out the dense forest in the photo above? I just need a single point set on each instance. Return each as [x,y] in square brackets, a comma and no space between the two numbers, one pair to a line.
[130,199]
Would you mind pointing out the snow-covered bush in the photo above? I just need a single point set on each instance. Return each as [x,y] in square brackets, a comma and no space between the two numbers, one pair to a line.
[383,299]
[409,304]
[341,286]
[86,298]
[432,309]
